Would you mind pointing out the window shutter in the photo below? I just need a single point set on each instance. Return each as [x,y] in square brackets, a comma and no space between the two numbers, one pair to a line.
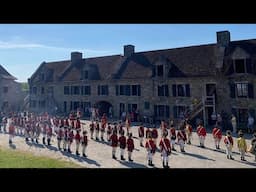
[158,90]
[128,88]
[187,90]
[230,67]
[166,90]
[250,90]
[174,90]
[175,108]
[249,66]
[138,90]
[98,90]
[232,90]
[106,89]
[167,111]
[155,110]
[89,90]
[117,90]
[82,90]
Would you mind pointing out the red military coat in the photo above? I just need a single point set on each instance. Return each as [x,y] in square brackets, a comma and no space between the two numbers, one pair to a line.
[216,133]
[114,140]
[141,131]
[150,145]
[130,144]
[165,145]
[201,131]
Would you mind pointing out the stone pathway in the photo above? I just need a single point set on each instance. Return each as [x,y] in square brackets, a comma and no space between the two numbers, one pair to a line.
[99,154]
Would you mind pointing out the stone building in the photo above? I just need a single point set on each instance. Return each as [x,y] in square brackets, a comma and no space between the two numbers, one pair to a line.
[198,80]
[11,95]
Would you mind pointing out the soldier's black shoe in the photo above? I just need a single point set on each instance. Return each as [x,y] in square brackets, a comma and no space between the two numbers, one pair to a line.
[122,158]
[69,151]
[59,148]
[10,141]
[84,155]
[173,149]
[130,159]
[203,146]
[149,163]
[32,139]
[36,141]
[26,139]
[44,141]
[167,166]
[231,158]
[113,157]
[64,149]
[77,153]
[141,145]
[227,156]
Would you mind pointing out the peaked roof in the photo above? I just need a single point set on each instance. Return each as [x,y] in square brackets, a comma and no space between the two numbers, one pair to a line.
[5,74]
[192,61]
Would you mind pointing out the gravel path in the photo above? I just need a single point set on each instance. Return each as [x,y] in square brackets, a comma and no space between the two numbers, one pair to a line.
[99,154]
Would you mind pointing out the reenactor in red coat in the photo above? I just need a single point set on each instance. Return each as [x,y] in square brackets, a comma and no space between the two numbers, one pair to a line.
[163,127]
[122,145]
[148,132]
[114,143]
[120,128]
[104,120]
[172,136]
[201,132]
[65,141]
[97,130]
[130,146]
[11,130]
[165,148]
[78,124]
[217,135]
[182,138]
[141,135]
[70,140]
[38,130]
[49,133]
[92,125]
[84,142]
[78,139]
[109,131]
[60,136]
[154,135]
[229,144]
[128,125]
[151,149]
[189,131]
[102,131]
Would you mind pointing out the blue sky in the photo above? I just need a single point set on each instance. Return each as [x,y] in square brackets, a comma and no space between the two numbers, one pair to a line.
[24,46]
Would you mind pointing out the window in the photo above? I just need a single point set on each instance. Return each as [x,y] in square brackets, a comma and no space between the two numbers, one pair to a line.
[242,89]
[163,90]
[146,105]
[160,70]
[66,90]
[65,106]
[161,111]
[85,74]
[34,91]
[121,89]
[179,111]
[102,89]
[128,90]
[42,90]
[5,89]
[76,105]
[86,90]
[76,90]
[181,90]
[132,107]
[240,65]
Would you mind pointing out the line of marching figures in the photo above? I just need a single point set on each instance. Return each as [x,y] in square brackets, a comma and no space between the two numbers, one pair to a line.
[66,132]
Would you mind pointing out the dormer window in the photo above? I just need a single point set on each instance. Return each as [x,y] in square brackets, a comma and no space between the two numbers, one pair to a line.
[160,70]
[240,66]
[85,74]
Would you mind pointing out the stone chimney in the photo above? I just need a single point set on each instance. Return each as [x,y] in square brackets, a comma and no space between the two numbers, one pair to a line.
[128,50]
[223,38]
[76,56]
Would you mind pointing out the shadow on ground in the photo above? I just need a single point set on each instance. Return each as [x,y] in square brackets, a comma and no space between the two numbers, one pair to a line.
[13,146]
[80,159]
[199,156]
[132,164]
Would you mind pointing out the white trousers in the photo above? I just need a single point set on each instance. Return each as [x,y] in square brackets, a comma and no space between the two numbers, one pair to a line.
[242,151]
[113,150]
[129,154]
[217,141]
[91,133]
[97,134]
[102,134]
[141,140]
[229,150]
[122,152]
[77,145]
[172,143]
[182,144]
[59,141]
[11,136]
[165,157]
[65,144]
[84,148]
[201,140]
[150,156]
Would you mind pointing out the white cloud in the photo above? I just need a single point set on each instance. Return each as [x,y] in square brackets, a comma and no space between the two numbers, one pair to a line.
[21,45]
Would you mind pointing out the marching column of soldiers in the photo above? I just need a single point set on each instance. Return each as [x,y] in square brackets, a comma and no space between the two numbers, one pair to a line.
[67,129]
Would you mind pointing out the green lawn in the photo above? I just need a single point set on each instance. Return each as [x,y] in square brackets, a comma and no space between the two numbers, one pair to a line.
[17,159]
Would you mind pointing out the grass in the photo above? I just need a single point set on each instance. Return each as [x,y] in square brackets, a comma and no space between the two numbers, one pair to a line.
[17,159]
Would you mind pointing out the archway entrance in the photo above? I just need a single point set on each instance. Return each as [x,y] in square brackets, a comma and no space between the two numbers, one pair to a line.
[104,107]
